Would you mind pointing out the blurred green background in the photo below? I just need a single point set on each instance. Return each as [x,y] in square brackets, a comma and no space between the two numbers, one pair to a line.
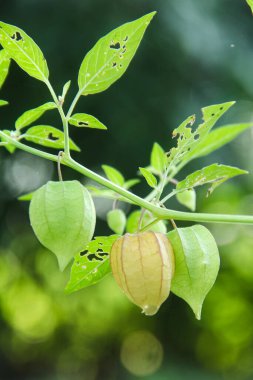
[195,53]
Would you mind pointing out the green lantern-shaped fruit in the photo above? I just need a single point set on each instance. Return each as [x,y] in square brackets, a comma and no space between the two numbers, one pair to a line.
[63,218]
[143,266]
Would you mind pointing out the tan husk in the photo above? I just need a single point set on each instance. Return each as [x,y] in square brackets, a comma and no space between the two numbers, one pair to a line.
[143,266]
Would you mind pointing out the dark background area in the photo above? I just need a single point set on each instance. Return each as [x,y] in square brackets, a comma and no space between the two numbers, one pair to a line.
[195,53]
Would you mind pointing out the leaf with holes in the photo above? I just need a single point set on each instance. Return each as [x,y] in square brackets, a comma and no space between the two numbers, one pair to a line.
[215,174]
[149,177]
[4,66]
[46,135]
[158,158]
[116,220]
[113,175]
[92,265]
[110,57]
[219,137]
[28,117]
[188,140]
[197,264]
[3,103]
[85,120]
[24,51]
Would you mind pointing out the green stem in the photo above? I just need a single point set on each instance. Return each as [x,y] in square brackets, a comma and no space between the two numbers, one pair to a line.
[73,104]
[159,212]
[63,118]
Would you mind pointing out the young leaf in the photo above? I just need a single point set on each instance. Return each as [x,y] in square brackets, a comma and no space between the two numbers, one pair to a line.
[46,135]
[188,140]
[113,175]
[4,66]
[197,264]
[116,220]
[131,182]
[11,148]
[149,177]
[65,89]
[24,51]
[250,3]
[91,265]
[133,222]
[26,197]
[3,103]
[28,117]
[158,158]
[63,217]
[107,61]
[85,120]
[219,137]
[215,174]
[187,198]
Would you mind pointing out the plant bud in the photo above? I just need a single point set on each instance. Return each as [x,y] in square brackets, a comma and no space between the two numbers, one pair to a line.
[143,266]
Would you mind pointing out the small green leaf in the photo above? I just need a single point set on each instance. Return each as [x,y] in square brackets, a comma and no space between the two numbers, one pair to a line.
[63,218]
[11,148]
[107,61]
[91,265]
[133,222]
[65,89]
[131,182]
[149,177]
[158,158]
[219,137]
[28,117]
[46,135]
[250,3]
[113,175]
[4,66]
[24,51]
[26,197]
[3,103]
[187,198]
[87,121]
[197,264]
[215,174]
[116,220]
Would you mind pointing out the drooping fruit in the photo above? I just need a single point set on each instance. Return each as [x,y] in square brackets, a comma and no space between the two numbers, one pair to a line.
[63,217]
[143,266]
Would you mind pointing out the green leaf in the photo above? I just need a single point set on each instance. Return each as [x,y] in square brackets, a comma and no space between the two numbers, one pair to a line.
[107,61]
[4,66]
[149,177]
[3,103]
[196,264]
[113,175]
[158,158]
[219,137]
[116,220]
[91,265]
[24,51]
[133,222]
[26,197]
[46,135]
[250,3]
[32,115]
[85,120]
[65,89]
[11,148]
[215,174]
[188,140]
[131,182]
[63,218]
[187,198]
